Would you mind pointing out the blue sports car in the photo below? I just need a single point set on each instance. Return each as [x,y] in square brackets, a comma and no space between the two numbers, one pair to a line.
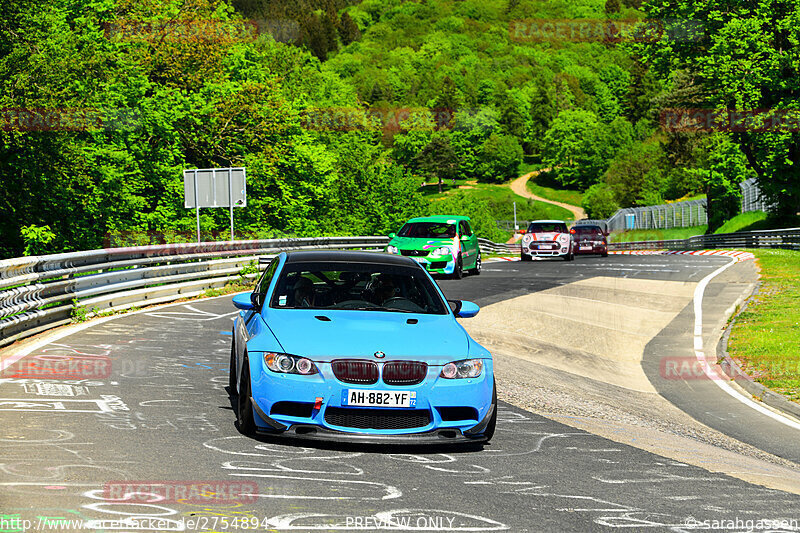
[358,346]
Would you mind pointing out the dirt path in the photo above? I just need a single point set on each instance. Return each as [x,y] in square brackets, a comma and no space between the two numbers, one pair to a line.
[518,186]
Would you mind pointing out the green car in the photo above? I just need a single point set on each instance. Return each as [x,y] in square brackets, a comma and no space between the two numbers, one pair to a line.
[442,244]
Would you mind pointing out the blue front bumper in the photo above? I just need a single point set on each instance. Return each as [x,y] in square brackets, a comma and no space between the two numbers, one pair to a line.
[446,409]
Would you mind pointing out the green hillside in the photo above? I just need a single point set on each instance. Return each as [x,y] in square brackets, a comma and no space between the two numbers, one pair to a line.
[340,109]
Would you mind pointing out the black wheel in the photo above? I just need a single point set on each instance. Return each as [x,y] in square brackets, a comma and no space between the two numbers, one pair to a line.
[477,270]
[570,255]
[244,407]
[525,257]
[458,271]
[232,376]
[490,427]
[604,254]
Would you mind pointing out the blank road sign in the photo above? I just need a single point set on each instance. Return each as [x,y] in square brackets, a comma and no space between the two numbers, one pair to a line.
[216,187]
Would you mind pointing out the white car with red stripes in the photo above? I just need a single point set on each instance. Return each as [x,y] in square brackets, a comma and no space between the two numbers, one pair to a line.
[547,238]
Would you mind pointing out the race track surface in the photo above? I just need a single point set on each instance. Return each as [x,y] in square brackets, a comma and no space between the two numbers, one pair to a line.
[161,414]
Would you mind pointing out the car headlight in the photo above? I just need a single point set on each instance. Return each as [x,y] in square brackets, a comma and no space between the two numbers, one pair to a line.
[466,368]
[563,237]
[526,238]
[444,250]
[283,363]
[391,249]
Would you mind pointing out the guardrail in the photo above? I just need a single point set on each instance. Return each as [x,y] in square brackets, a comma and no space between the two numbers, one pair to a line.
[498,247]
[42,292]
[780,238]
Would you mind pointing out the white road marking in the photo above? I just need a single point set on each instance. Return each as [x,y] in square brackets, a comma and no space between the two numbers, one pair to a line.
[712,373]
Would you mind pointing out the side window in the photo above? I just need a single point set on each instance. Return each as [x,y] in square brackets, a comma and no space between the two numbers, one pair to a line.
[467,229]
[263,284]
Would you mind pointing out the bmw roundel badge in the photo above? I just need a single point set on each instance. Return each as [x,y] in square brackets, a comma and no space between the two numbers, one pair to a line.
[380,355]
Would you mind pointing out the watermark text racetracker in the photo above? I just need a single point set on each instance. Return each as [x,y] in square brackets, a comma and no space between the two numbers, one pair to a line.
[67,119]
[690,367]
[603,30]
[730,120]
[198,492]
[59,367]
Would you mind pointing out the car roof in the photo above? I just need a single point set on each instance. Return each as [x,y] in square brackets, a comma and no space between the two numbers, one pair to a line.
[547,222]
[342,256]
[439,218]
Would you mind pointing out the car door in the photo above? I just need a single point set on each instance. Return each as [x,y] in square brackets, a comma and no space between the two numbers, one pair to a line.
[247,320]
[469,244]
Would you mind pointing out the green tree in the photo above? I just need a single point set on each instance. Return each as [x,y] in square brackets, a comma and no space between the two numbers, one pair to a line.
[745,57]
[612,7]
[727,169]
[438,159]
[500,157]
[37,239]
[572,148]
[348,30]
[636,175]
[599,201]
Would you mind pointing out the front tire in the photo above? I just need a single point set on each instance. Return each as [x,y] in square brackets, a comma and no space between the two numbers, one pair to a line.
[570,255]
[525,257]
[244,407]
[477,270]
[458,270]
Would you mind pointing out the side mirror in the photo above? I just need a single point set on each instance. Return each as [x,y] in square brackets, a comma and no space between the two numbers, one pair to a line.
[244,301]
[468,309]
[465,237]
[521,231]
[392,235]
[463,308]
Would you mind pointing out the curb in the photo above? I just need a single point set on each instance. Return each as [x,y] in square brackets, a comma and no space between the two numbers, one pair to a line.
[746,382]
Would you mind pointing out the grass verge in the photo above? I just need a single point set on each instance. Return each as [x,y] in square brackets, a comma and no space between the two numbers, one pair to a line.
[765,339]
[656,234]
[751,221]
[541,186]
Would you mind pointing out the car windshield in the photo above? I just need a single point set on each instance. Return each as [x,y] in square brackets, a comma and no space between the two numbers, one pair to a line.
[365,287]
[547,227]
[428,230]
[588,230]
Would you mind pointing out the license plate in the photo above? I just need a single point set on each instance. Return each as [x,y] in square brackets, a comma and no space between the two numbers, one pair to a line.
[378,398]
[545,247]
[585,247]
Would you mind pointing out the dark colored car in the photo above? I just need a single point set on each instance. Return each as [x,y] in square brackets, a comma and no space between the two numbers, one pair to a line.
[589,239]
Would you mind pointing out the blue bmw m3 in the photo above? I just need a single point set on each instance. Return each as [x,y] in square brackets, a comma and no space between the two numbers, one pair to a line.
[358,346]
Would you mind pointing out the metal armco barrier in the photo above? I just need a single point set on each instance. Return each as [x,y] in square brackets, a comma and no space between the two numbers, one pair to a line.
[780,238]
[497,247]
[41,292]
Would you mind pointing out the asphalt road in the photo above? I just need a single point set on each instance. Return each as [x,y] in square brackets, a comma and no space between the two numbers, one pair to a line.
[160,413]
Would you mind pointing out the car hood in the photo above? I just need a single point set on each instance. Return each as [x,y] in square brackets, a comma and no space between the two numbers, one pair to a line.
[436,339]
[410,243]
[549,236]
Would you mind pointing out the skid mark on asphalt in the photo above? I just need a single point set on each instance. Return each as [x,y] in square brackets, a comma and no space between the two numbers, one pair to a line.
[192,314]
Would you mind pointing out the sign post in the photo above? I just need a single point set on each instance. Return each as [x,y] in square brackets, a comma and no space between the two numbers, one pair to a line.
[516,226]
[214,187]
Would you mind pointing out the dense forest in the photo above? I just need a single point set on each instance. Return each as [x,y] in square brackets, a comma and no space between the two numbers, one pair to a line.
[340,109]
